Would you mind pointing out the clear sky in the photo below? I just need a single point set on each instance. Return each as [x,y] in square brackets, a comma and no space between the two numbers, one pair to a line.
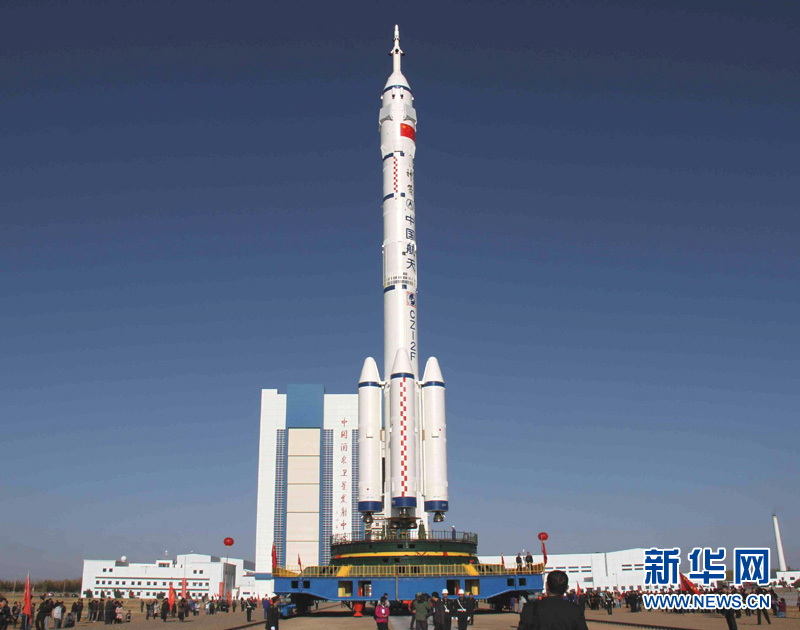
[607,206]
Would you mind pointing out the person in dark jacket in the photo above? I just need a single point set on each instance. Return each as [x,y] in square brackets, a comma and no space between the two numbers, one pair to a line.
[553,612]
[438,612]
[164,610]
[461,609]
[273,614]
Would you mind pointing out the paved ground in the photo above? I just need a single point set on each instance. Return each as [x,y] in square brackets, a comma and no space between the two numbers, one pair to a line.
[335,617]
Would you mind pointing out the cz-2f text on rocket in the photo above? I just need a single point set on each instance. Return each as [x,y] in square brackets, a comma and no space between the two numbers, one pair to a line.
[402,436]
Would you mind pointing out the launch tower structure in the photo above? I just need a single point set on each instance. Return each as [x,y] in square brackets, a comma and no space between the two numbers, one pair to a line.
[401,418]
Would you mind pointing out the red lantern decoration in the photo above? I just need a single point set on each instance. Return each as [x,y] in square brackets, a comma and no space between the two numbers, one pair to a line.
[543,536]
[228,542]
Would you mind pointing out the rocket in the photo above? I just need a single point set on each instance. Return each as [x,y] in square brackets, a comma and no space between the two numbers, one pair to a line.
[402,437]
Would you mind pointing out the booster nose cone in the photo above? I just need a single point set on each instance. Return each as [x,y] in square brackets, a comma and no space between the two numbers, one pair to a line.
[402,364]
[369,373]
[433,373]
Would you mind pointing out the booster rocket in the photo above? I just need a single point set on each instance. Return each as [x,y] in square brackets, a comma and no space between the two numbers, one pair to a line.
[402,435]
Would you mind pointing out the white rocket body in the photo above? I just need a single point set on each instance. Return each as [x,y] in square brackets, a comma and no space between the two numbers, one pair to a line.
[370,395]
[411,468]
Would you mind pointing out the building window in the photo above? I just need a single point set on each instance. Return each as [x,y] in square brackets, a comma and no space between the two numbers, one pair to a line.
[201,572]
[104,570]
[195,571]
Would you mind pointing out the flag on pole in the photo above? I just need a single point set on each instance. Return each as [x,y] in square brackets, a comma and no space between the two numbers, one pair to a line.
[502,561]
[688,585]
[183,588]
[300,564]
[26,599]
[544,553]
[274,557]
[577,589]
[229,598]
[171,596]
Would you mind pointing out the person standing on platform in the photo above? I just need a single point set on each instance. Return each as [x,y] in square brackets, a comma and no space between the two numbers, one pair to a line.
[553,612]
[519,562]
[529,561]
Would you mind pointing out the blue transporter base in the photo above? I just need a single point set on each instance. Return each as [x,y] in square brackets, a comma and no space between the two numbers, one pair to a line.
[349,584]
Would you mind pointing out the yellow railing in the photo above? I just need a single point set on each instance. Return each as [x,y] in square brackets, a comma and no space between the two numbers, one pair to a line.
[405,570]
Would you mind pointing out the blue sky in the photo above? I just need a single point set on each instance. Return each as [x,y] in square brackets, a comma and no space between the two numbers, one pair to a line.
[607,231]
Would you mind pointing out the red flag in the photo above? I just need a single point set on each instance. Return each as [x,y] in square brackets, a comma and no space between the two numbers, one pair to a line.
[577,589]
[502,561]
[687,585]
[229,598]
[274,557]
[171,598]
[183,588]
[299,563]
[26,599]
[407,131]
[544,553]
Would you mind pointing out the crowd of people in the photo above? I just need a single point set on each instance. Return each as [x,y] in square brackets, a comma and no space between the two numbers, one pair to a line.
[440,609]
[49,614]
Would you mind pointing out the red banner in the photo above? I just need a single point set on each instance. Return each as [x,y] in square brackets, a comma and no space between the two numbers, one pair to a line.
[688,585]
[407,131]
[183,588]
[26,599]
[171,596]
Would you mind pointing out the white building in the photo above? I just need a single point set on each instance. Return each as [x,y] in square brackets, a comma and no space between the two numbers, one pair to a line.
[307,477]
[205,575]
[621,570]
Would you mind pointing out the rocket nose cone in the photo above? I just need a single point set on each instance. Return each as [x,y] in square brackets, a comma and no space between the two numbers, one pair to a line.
[369,373]
[432,371]
[402,364]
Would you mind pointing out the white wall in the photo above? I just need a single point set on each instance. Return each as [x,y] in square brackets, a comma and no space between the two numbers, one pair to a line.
[590,570]
[203,573]
[302,497]
[273,418]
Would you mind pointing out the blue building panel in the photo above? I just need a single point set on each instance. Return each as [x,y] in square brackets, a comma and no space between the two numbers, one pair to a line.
[305,406]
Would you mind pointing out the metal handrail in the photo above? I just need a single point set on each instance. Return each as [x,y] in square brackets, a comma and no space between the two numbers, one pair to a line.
[405,570]
[395,535]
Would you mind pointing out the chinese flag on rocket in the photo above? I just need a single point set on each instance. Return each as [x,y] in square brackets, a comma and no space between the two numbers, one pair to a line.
[407,131]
